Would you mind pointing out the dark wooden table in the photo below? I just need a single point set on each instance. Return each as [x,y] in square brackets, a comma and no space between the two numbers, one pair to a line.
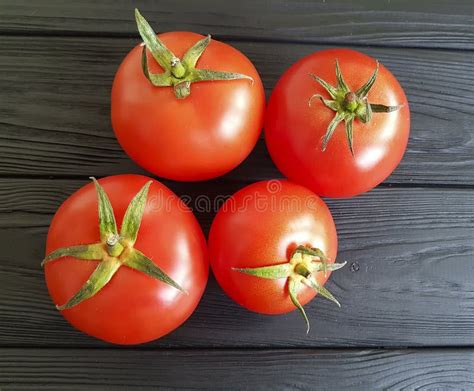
[407,295]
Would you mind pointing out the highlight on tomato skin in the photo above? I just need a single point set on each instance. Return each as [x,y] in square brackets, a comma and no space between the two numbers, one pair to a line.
[337,122]
[272,246]
[126,260]
[185,106]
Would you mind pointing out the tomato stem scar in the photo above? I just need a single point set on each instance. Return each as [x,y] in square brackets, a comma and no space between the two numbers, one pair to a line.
[114,247]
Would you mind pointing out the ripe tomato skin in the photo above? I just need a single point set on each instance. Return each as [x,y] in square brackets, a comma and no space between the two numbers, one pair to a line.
[247,234]
[293,129]
[133,307]
[200,137]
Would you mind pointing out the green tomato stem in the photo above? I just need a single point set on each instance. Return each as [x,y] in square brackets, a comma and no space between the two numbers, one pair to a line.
[114,250]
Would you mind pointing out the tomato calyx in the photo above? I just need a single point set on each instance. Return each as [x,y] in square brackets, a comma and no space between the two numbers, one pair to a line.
[113,250]
[349,105]
[178,73]
[304,261]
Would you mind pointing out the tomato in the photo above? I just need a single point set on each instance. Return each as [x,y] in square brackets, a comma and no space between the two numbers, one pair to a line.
[306,137]
[153,274]
[187,131]
[268,236]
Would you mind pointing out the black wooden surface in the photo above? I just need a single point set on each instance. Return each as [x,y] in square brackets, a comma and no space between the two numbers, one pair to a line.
[303,369]
[409,284]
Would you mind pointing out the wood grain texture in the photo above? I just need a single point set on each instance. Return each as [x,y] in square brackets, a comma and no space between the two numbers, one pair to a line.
[304,369]
[54,117]
[408,281]
[437,24]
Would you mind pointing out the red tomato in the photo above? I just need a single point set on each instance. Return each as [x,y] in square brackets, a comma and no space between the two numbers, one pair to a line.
[202,136]
[132,307]
[262,225]
[295,130]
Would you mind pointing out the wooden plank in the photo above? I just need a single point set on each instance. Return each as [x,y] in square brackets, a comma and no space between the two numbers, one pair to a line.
[55,108]
[86,369]
[436,24]
[408,281]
